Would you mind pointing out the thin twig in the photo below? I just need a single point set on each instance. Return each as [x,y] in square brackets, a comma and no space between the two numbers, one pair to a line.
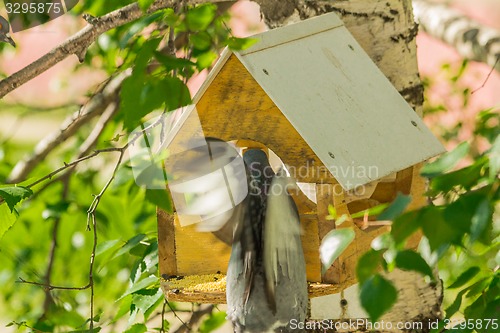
[163,312]
[178,318]
[52,287]
[75,162]
[488,76]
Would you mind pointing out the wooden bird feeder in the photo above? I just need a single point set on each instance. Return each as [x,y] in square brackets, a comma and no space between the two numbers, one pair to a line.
[310,94]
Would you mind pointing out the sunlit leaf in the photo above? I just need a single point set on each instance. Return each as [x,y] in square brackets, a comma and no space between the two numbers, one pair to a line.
[237,44]
[14,194]
[480,220]
[455,306]
[7,219]
[370,211]
[145,299]
[494,156]
[214,321]
[465,277]
[141,284]
[205,59]
[145,4]
[199,17]
[55,210]
[131,243]
[171,63]
[333,244]
[94,330]
[137,328]
[438,232]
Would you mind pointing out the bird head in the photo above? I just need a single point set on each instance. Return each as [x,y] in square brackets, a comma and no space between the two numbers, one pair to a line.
[4,32]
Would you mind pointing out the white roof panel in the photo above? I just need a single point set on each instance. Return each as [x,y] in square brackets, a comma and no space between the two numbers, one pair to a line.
[339,101]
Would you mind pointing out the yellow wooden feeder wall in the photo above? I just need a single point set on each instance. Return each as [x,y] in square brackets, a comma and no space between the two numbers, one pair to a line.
[310,94]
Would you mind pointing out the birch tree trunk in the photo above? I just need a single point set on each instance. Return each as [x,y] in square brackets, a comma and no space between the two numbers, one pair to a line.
[469,38]
[386,30]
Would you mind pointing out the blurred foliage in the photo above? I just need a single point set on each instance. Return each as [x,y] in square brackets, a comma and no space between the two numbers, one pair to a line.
[45,226]
[461,226]
[164,50]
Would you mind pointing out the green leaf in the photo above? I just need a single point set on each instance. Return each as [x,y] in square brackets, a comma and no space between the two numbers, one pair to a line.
[141,95]
[159,198]
[130,244]
[405,225]
[14,194]
[94,330]
[494,159]
[152,176]
[384,241]
[333,244]
[465,178]
[205,59]
[200,17]
[238,44]
[480,220]
[446,161]
[485,307]
[412,261]
[368,265]
[459,214]
[137,328]
[438,232]
[145,4]
[396,208]
[214,321]
[377,296]
[370,211]
[478,287]
[153,307]
[465,277]
[141,284]
[145,299]
[201,40]
[125,307]
[455,306]
[7,219]
[55,210]
[105,246]
[171,63]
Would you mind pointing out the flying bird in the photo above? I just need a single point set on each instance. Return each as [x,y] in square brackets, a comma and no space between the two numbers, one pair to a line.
[266,285]
[4,32]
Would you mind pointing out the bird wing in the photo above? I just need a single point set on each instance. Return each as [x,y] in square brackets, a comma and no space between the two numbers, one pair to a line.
[209,181]
[282,245]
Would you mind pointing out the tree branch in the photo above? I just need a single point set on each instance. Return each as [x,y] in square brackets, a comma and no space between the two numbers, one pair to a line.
[79,42]
[94,107]
[470,38]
